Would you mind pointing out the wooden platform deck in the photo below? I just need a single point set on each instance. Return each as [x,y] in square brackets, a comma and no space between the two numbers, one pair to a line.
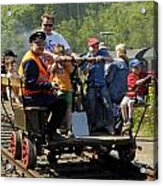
[91,141]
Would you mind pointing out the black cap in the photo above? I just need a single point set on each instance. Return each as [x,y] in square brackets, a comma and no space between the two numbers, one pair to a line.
[37,36]
[9,52]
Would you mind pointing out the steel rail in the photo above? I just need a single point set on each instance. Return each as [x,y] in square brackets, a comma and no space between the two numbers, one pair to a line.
[25,172]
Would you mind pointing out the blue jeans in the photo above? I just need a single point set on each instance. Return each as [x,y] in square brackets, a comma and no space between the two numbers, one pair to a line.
[91,97]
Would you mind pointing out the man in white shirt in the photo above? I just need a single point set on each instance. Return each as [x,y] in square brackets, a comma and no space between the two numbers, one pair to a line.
[52,38]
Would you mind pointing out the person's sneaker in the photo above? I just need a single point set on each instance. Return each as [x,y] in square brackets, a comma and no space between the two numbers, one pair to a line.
[110,130]
[126,127]
[61,131]
[69,134]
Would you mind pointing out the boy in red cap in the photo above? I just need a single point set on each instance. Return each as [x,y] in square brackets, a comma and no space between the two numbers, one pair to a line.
[93,41]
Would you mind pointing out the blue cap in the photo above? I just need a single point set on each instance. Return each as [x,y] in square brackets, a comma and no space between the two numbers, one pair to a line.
[134,63]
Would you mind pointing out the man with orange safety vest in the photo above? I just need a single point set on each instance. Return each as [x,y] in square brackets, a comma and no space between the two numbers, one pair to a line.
[38,90]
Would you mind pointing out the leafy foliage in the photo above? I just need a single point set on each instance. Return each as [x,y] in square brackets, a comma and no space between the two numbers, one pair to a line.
[149,124]
[78,21]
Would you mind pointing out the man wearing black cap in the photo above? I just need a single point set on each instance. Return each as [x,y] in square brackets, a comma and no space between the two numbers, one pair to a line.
[38,89]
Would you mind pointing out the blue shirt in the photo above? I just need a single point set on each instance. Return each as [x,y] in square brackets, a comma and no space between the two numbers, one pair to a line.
[116,79]
[96,75]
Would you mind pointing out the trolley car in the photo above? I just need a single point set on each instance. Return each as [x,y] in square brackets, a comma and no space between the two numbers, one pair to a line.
[29,136]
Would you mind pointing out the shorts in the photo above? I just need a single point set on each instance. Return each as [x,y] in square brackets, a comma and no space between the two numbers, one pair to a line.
[128,100]
[67,96]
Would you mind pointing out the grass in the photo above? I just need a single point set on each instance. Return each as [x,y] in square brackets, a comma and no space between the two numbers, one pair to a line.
[149,124]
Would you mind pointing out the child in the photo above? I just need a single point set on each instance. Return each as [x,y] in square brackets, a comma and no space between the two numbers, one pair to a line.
[10,66]
[134,83]
[60,74]
[12,72]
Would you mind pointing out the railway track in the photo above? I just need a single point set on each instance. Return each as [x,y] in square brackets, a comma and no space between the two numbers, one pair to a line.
[7,116]
[88,165]
[17,164]
[71,166]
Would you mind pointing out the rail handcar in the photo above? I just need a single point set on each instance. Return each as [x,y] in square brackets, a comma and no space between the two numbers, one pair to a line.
[29,137]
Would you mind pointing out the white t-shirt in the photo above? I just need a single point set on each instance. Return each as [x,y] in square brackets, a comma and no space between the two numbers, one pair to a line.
[54,39]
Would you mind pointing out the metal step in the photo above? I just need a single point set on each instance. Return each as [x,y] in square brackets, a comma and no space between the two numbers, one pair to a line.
[5,138]
[5,131]
[5,141]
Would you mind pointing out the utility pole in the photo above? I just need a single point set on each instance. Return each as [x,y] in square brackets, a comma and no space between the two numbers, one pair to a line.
[105,36]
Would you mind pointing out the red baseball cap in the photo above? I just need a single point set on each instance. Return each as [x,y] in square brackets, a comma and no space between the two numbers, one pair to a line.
[92,41]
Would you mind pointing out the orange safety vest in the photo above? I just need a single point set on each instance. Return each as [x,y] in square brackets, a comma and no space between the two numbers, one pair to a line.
[43,74]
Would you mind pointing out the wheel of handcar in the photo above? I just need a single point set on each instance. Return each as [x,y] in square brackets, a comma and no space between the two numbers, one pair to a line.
[29,154]
[127,154]
[15,144]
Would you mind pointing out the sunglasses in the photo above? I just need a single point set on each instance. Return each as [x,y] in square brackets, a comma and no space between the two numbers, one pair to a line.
[47,25]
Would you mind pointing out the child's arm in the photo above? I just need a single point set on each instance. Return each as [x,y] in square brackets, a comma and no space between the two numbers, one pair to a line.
[53,68]
[143,80]
[66,63]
